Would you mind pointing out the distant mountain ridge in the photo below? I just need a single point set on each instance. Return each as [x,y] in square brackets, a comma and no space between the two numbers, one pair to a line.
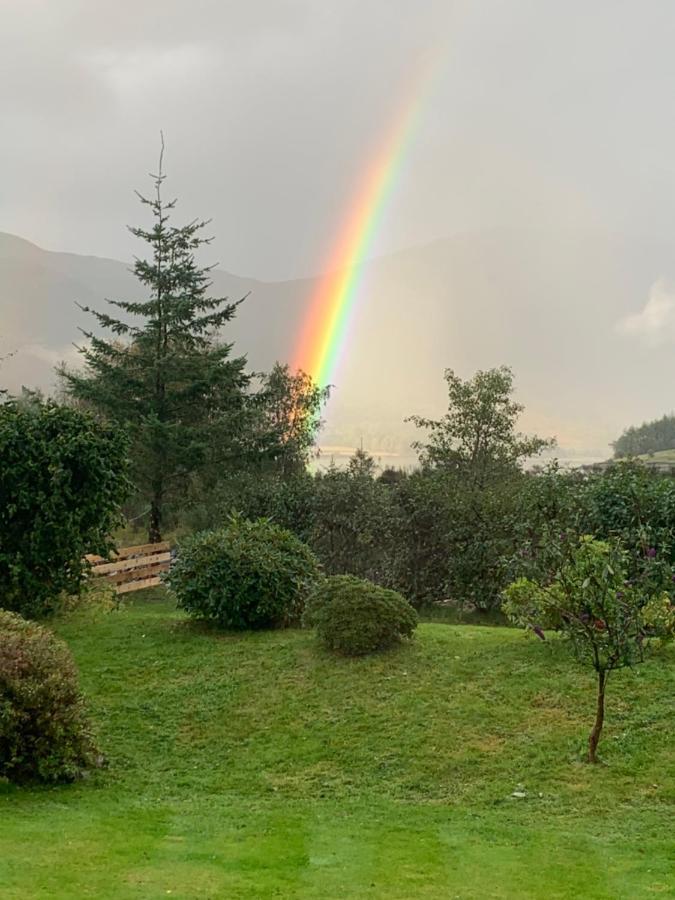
[545,302]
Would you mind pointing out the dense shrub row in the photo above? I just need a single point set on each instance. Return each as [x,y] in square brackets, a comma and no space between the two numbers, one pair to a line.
[434,535]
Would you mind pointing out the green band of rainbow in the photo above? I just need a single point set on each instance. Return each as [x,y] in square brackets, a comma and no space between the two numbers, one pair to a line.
[326,330]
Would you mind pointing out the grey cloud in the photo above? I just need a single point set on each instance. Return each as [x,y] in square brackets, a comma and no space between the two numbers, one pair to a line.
[654,324]
[272,109]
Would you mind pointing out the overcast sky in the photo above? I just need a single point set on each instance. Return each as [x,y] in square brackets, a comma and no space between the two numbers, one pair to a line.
[543,111]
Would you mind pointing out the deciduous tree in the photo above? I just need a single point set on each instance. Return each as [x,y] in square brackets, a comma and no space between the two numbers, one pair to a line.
[477,436]
[285,420]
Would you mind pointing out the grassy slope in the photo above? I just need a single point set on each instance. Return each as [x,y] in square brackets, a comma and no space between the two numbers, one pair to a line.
[659,456]
[257,766]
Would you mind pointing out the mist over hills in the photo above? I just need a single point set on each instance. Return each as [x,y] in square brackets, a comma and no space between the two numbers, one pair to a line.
[586,320]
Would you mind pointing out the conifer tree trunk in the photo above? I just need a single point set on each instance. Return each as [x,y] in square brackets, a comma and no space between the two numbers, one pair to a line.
[155,524]
[156,506]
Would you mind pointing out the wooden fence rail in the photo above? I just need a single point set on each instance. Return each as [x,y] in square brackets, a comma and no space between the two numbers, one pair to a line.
[133,568]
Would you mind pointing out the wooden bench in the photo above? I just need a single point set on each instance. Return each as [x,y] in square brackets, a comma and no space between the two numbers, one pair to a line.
[132,568]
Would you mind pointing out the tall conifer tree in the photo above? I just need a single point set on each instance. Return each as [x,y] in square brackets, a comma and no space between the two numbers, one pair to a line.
[164,372]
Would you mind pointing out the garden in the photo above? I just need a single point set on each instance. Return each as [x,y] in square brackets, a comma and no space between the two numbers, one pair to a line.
[451,682]
[258,765]
[259,727]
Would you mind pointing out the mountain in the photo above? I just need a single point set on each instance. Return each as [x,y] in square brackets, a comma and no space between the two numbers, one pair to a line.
[548,303]
[40,290]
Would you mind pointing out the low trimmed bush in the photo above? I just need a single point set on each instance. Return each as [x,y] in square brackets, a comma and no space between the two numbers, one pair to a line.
[248,575]
[354,617]
[44,733]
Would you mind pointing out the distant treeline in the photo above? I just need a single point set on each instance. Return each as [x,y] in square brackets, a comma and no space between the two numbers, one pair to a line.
[646,438]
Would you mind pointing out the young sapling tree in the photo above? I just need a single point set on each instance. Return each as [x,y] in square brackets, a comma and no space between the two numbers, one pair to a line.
[608,620]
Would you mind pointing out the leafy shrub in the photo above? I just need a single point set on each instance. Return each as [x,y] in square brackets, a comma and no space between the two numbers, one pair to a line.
[431,535]
[246,575]
[352,521]
[44,733]
[62,481]
[636,506]
[254,495]
[421,548]
[627,503]
[354,617]
[451,538]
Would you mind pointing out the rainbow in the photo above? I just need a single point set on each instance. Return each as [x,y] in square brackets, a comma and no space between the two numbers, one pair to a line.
[326,329]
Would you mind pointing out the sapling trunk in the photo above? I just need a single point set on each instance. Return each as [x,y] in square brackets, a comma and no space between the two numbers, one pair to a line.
[594,737]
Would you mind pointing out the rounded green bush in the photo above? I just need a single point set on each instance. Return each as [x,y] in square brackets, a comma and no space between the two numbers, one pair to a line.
[354,617]
[248,575]
[44,733]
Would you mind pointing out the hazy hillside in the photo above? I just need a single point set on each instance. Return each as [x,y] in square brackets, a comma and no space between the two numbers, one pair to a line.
[547,303]
[39,291]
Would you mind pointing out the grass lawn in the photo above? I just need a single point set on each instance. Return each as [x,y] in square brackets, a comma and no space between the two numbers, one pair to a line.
[257,766]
